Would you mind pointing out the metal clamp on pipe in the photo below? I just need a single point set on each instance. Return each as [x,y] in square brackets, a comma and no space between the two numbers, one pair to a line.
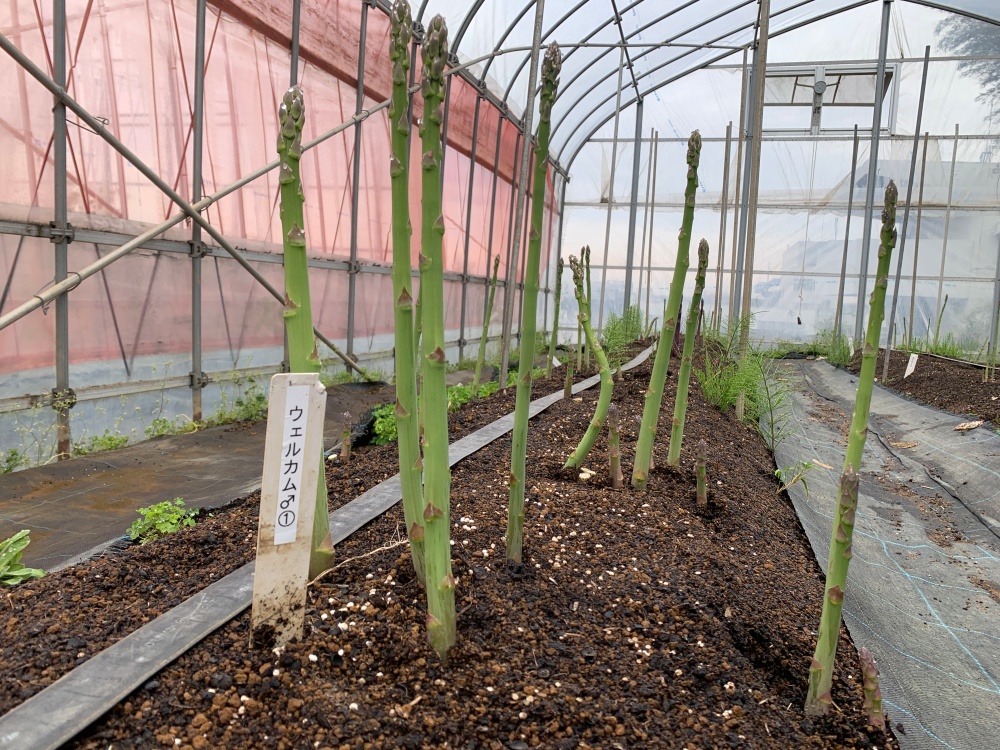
[59,234]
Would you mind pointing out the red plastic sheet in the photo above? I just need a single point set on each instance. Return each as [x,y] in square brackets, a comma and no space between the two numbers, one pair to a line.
[132,64]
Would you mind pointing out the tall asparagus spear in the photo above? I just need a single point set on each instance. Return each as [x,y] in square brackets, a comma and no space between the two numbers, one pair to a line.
[486,329]
[555,323]
[302,353]
[407,424]
[684,376]
[529,306]
[604,397]
[437,475]
[819,700]
[654,395]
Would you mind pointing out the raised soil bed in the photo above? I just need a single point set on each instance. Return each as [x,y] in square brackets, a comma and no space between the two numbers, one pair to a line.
[634,622]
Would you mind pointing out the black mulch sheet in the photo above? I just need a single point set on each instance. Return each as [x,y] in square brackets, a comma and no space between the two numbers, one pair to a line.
[953,386]
[634,622]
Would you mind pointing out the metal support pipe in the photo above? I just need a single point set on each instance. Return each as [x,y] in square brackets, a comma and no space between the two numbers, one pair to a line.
[611,198]
[554,258]
[916,233]
[737,213]
[197,374]
[901,244]
[947,224]
[63,398]
[522,188]
[359,101]
[633,206]
[749,131]
[645,216]
[748,223]
[995,313]
[723,210]
[296,23]
[468,228]
[866,237]
[652,215]
[837,316]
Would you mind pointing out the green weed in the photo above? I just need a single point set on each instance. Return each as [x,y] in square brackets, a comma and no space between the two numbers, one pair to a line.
[159,520]
[109,441]
[12,460]
[12,571]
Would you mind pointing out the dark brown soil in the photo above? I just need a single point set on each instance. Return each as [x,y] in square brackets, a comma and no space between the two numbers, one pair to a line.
[634,622]
[946,384]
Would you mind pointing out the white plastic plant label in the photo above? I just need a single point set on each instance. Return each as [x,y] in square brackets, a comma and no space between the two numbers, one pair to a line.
[293,437]
[911,365]
[293,460]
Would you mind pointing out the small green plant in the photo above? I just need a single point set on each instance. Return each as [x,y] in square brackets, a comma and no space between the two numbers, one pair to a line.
[619,332]
[723,376]
[767,407]
[162,426]
[109,441]
[12,460]
[835,347]
[796,474]
[385,424]
[12,572]
[159,520]
[250,404]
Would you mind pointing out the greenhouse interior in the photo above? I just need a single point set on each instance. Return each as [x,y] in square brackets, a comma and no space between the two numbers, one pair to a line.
[599,346]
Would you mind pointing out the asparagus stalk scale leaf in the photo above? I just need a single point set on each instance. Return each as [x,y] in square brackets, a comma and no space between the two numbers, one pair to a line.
[486,329]
[819,699]
[407,424]
[551,65]
[302,353]
[654,395]
[440,583]
[684,376]
[604,397]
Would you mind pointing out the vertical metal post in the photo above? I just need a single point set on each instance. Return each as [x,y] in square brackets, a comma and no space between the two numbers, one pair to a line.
[352,279]
[748,223]
[947,222]
[522,185]
[740,138]
[509,273]
[62,396]
[837,316]
[724,209]
[197,375]
[901,244]
[296,22]
[916,233]
[995,312]
[866,237]
[554,257]
[652,215]
[645,218]
[468,226]
[633,206]
[611,196]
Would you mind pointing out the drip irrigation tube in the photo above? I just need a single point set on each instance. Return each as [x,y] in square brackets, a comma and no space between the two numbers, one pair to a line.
[66,707]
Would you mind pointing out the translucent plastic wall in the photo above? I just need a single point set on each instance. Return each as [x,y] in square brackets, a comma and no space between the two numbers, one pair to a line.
[132,65]
[954,223]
